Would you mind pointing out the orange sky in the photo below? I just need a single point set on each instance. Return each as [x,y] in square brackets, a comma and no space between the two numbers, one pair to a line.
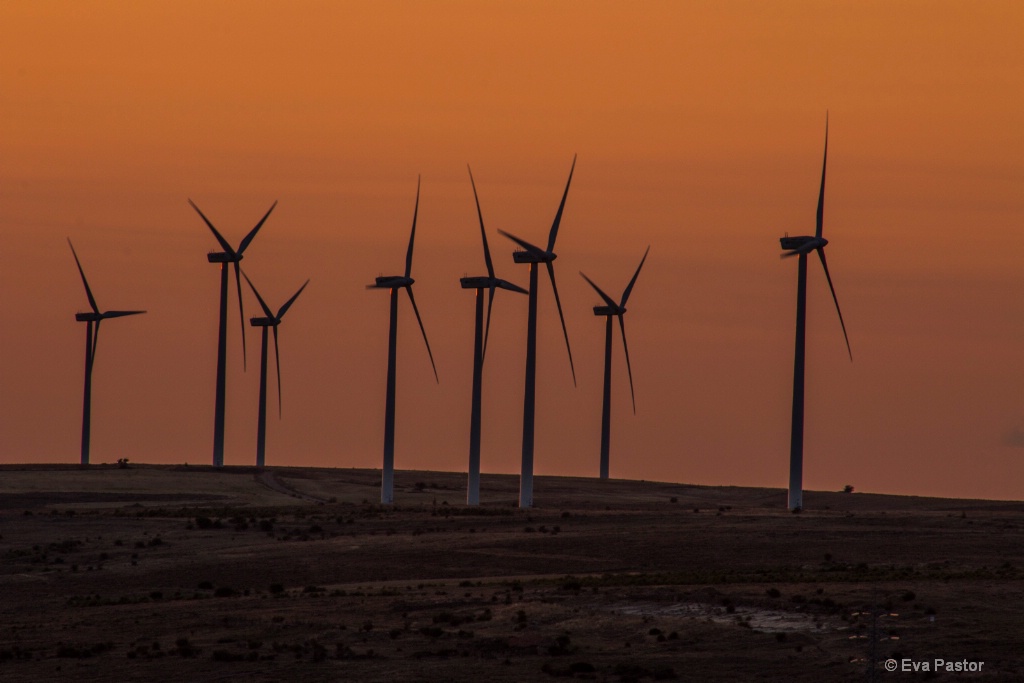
[699,129]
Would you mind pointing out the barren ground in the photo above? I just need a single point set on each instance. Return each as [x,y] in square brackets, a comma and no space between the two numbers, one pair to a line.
[190,574]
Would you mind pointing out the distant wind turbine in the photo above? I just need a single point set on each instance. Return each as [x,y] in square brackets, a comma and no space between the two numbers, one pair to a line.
[271,320]
[610,310]
[394,283]
[535,255]
[480,283]
[92,334]
[801,247]
[233,256]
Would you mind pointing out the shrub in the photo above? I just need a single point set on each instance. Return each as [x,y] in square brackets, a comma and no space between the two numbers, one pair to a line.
[571,583]
[183,648]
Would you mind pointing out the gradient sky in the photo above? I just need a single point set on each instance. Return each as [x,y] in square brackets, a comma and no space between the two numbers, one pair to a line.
[699,128]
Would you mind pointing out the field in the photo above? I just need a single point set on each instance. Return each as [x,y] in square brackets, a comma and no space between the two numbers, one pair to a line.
[186,573]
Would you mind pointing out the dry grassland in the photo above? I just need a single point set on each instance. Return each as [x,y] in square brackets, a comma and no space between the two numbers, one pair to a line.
[190,574]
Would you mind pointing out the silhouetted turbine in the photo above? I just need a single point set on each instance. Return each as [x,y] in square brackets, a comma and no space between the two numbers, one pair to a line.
[534,255]
[801,247]
[610,310]
[480,283]
[233,256]
[270,320]
[394,283]
[92,335]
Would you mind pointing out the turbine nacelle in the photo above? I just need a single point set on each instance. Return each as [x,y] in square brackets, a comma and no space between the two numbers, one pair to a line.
[478,282]
[531,253]
[391,282]
[609,310]
[803,244]
[538,256]
[264,322]
[223,257]
[88,317]
[487,282]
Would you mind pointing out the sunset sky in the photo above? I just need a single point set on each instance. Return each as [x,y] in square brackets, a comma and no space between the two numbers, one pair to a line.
[699,128]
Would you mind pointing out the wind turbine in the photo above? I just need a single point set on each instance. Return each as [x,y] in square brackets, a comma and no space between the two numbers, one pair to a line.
[233,256]
[480,283]
[269,321]
[801,247]
[92,334]
[535,255]
[395,283]
[610,310]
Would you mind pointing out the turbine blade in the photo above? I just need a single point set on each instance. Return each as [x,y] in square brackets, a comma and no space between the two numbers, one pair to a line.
[88,292]
[523,243]
[119,314]
[487,333]
[277,364]
[241,312]
[263,304]
[821,192]
[558,216]
[220,238]
[412,235]
[483,233]
[551,274]
[629,288]
[505,284]
[423,330]
[629,368]
[607,299]
[824,264]
[288,304]
[252,233]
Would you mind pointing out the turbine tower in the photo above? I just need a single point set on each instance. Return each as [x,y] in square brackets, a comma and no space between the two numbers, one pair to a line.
[534,256]
[801,247]
[233,256]
[269,321]
[480,283]
[610,310]
[395,283]
[92,334]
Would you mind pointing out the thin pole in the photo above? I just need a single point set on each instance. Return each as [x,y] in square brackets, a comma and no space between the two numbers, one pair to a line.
[796,448]
[87,399]
[606,418]
[222,350]
[473,485]
[261,428]
[529,397]
[387,483]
